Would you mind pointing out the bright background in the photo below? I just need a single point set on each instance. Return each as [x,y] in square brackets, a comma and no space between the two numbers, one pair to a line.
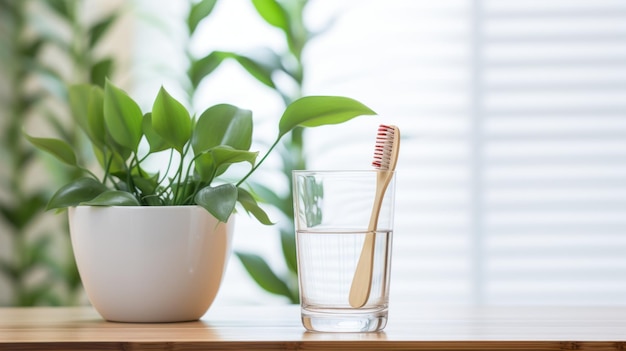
[512,175]
[511,185]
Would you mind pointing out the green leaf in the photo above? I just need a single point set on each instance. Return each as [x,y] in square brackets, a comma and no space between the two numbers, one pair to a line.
[257,69]
[32,49]
[252,207]
[61,7]
[288,245]
[147,184]
[100,28]
[267,58]
[79,100]
[198,12]
[223,124]
[171,120]
[205,66]
[95,116]
[100,71]
[153,200]
[36,251]
[76,192]
[116,149]
[113,198]
[56,147]
[29,208]
[314,111]
[224,155]
[86,104]
[22,213]
[262,274]
[205,166]
[297,34]
[219,201]
[154,139]
[216,160]
[122,116]
[272,13]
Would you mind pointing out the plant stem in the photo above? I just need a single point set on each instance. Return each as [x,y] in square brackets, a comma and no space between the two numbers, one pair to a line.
[180,174]
[260,162]
[167,170]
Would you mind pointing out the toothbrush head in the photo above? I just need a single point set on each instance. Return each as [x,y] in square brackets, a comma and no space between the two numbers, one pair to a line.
[387,148]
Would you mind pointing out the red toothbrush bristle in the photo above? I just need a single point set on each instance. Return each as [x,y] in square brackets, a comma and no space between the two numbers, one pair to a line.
[383,147]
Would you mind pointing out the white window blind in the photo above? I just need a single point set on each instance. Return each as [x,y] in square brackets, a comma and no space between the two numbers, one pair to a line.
[512,175]
[553,129]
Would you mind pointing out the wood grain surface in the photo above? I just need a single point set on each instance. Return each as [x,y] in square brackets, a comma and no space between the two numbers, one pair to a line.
[279,328]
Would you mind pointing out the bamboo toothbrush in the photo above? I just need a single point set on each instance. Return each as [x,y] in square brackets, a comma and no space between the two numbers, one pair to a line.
[385,158]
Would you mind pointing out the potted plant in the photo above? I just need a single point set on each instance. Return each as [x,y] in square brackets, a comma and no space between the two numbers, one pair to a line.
[153,246]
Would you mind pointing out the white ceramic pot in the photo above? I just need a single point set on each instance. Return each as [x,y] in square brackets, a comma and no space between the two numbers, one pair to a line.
[148,263]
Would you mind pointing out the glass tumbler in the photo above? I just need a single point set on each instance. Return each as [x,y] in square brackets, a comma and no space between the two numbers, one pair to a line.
[340,230]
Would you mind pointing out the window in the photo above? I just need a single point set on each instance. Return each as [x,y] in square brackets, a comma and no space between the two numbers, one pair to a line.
[512,175]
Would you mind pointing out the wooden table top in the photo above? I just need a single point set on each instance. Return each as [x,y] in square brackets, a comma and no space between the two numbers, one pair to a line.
[279,328]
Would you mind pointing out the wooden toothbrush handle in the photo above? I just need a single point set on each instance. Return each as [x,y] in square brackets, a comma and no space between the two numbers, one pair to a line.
[362,281]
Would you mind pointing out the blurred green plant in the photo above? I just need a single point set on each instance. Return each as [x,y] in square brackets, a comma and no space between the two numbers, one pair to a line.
[46,44]
[287,16]
[269,68]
